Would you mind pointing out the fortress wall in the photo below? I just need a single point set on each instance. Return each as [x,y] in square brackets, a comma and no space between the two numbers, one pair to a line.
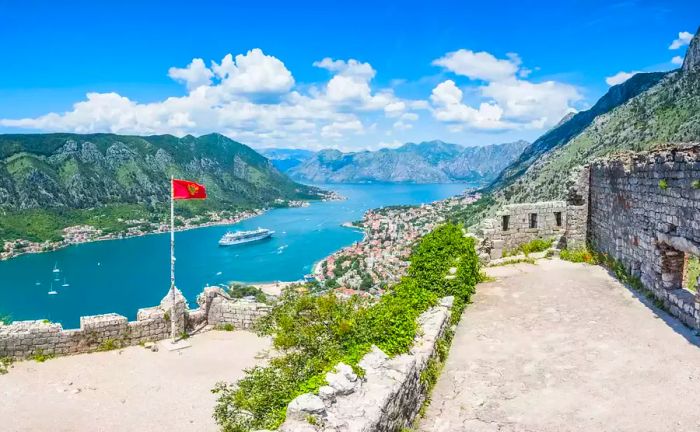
[24,339]
[389,395]
[645,213]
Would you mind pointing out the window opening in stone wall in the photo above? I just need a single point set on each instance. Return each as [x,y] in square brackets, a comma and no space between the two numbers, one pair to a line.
[533,220]
[557,218]
[691,272]
[505,223]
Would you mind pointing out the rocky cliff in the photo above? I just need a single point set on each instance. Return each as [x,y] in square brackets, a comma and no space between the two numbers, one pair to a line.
[55,180]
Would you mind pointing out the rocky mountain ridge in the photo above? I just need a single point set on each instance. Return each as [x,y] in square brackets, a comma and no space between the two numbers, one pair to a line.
[425,162]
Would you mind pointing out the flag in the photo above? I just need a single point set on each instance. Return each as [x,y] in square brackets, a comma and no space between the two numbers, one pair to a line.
[185,189]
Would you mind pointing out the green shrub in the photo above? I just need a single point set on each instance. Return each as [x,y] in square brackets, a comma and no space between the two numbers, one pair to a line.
[695,184]
[5,363]
[108,344]
[315,332]
[39,356]
[225,327]
[237,290]
[663,184]
[580,255]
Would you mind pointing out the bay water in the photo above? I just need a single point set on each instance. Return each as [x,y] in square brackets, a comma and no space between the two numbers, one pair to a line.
[126,274]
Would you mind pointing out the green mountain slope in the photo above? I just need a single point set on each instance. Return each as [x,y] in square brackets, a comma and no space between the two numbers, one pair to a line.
[646,111]
[573,125]
[55,180]
[426,162]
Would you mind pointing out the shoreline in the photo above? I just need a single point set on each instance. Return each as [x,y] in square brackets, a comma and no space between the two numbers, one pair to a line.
[54,246]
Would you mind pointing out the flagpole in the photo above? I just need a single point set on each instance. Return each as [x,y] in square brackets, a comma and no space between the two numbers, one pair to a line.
[172,259]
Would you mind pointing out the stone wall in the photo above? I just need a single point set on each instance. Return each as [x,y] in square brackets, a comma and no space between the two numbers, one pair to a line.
[645,213]
[221,309]
[565,222]
[513,225]
[386,399]
[23,339]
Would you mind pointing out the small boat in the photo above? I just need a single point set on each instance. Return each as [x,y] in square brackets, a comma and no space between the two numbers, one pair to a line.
[37,283]
[65,284]
[218,273]
[53,292]
[55,268]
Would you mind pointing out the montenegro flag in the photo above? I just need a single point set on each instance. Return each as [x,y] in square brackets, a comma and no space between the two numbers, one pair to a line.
[185,189]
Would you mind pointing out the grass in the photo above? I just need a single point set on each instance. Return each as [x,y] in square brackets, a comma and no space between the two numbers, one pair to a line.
[527,260]
[5,364]
[581,255]
[40,357]
[225,327]
[536,245]
[109,345]
[693,274]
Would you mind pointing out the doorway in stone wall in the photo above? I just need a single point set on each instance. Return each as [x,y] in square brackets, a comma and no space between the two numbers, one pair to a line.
[679,277]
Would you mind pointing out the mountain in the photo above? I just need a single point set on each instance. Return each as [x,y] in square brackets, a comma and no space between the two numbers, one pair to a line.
[573,124]
[286,159]
[648,110]
[425,162]
[61,179]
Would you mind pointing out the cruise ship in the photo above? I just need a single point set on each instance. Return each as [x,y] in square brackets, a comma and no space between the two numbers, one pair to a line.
[240,237]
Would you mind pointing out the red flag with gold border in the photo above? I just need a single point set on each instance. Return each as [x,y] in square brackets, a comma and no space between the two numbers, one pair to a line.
[185,189]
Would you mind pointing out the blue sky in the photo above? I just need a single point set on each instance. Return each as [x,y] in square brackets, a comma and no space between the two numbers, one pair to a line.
[318,74]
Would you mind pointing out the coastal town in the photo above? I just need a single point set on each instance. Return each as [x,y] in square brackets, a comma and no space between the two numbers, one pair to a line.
[369,266]
[78,234]
[137,227]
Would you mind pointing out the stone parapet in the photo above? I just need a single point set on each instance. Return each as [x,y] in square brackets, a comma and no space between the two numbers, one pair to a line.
[23,339]
[387,398]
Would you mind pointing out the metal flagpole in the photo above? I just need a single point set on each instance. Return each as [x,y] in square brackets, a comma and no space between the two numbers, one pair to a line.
[172,258]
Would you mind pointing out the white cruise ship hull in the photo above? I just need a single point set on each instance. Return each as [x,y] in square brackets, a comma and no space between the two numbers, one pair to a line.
[229,242]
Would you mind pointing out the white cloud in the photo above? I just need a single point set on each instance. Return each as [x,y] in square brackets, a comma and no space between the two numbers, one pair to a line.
[339,129]
[194,75]
[254,72]
[677,60]
[479,65]
[447,98]
[620,77]
[254,98]
[683,39]
[506,101]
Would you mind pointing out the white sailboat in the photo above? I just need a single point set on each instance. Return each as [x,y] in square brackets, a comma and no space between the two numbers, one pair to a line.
[65,284]
[53,292]
[55,268]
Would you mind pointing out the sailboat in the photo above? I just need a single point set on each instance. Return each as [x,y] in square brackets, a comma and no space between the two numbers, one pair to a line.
[53,292]
[65,284]
[55,268]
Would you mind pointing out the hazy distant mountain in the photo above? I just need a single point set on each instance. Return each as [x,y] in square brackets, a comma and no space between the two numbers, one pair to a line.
[426,162]
[286,159]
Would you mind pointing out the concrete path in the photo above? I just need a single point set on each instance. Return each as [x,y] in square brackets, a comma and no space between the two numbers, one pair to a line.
[559,347]
[132,389]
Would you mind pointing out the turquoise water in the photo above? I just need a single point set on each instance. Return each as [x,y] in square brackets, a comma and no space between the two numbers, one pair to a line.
[124,275]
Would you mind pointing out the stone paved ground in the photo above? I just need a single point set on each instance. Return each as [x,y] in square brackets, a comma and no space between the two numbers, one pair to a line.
[129,390]
[559,347]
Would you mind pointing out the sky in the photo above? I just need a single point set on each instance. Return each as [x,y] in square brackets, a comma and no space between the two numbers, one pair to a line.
[321,74]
